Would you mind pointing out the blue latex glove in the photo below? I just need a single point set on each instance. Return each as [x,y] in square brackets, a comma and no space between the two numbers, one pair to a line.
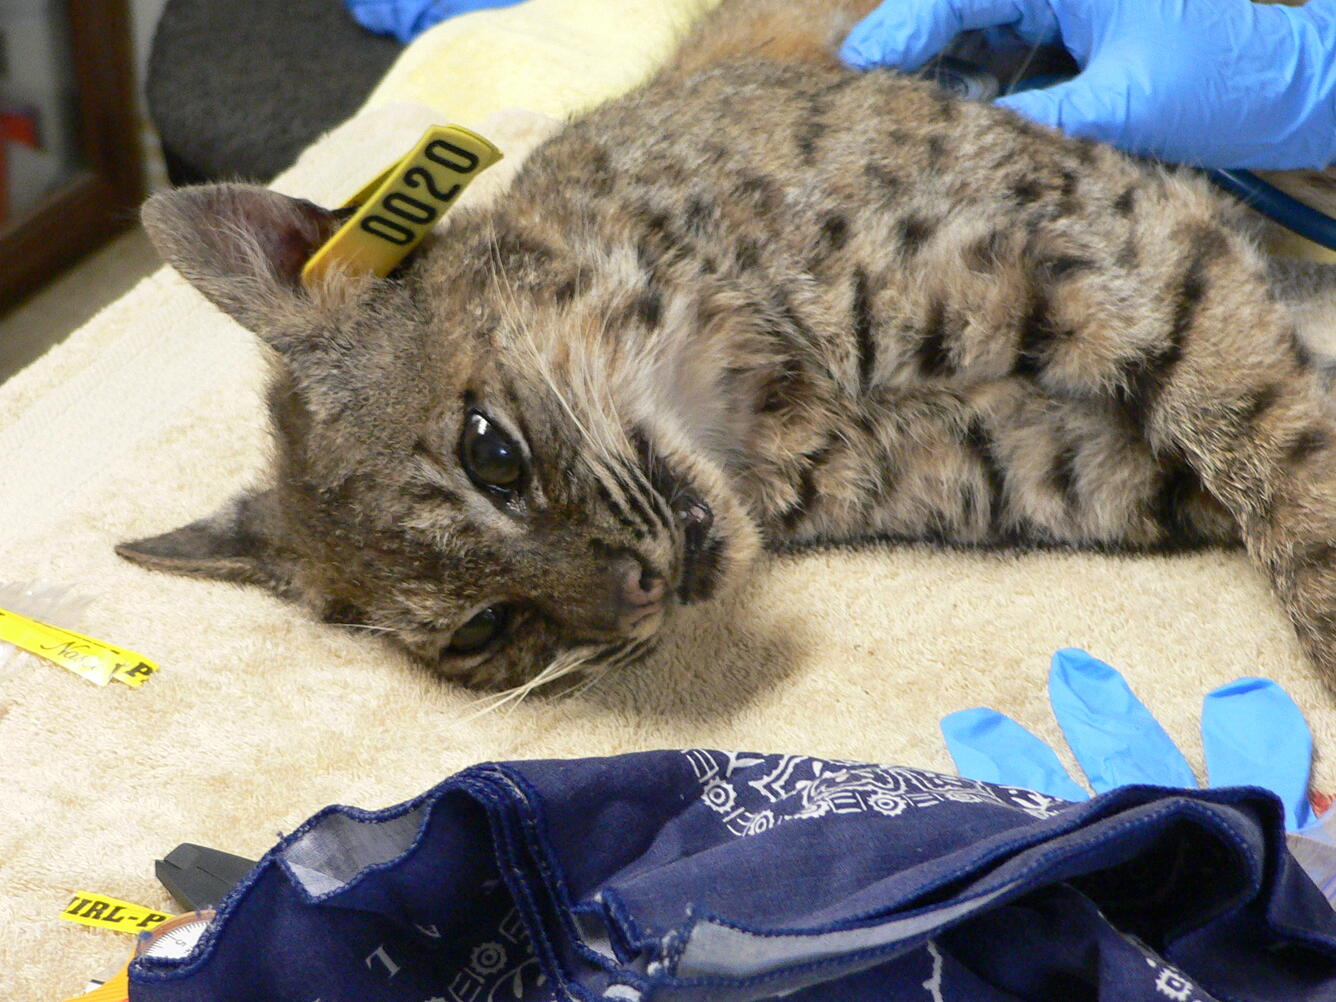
[406,19]
[1252,734]
[1211,83]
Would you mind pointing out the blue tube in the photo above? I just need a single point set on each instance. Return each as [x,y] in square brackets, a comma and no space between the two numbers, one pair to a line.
[1269,200]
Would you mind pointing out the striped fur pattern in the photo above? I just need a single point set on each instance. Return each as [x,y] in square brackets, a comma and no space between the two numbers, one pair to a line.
[762,301]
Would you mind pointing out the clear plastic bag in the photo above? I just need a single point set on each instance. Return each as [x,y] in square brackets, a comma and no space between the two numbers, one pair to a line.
[59,604]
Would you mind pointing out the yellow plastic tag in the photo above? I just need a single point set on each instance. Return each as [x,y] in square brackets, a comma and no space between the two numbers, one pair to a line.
[109,913]
[94,660]
[399,207]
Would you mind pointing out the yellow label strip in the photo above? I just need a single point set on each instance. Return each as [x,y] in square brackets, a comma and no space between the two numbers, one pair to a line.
[92,659]
[400,206]
[110,913]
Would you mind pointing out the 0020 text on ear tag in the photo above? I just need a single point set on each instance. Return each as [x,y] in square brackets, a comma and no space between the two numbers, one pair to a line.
[399,208]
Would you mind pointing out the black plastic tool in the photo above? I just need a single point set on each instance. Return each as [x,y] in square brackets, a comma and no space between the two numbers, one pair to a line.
[199,877]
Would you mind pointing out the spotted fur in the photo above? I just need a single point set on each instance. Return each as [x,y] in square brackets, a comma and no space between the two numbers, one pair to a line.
[762,301]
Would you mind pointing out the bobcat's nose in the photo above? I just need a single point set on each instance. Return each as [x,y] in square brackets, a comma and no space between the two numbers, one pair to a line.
[642,587]
[640,598]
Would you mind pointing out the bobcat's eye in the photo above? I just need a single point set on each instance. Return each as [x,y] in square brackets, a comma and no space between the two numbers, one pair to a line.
[479,631]
[490,456]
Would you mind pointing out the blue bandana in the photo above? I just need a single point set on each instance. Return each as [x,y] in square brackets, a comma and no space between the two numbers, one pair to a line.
[708,876]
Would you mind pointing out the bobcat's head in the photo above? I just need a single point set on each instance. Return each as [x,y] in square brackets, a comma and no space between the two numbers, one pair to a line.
[468,457]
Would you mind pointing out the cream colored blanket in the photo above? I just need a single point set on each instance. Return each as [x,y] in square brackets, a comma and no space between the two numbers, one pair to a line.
[151,414]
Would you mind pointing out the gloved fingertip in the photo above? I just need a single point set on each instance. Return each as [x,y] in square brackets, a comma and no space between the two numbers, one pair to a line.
[1110,731]
[991,747]
[967,723]
[1254,734]
[1032,104]
[896,36]
[1085,676]
[862,48]
[973,713]
[853,55]
[1078,107]
[1074,659]
[1242,687]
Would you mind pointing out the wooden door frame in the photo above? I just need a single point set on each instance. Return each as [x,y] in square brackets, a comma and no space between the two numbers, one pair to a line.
[103,198]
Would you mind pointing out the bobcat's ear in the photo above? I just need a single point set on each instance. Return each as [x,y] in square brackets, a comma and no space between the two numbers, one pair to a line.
[235,543]
[241,245]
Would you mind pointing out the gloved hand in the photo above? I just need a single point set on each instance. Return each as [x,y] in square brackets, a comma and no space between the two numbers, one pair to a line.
[406,19]
[1252,733]
[1210,83]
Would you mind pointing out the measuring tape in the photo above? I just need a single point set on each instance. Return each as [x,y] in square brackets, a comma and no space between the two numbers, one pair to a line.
[169,937]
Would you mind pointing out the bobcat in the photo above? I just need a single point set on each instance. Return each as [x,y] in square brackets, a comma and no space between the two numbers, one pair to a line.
[760,300]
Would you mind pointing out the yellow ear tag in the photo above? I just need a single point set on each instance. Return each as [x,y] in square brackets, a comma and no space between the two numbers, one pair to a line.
[399,207]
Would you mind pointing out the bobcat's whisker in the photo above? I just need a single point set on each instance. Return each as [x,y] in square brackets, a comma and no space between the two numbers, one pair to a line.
[559,668]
